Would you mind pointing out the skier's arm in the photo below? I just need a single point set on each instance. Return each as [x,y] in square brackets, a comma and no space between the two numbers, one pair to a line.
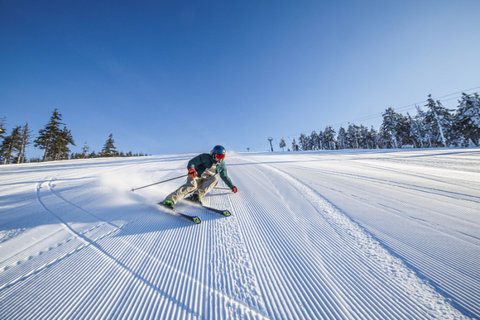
[223,174]
[194,162]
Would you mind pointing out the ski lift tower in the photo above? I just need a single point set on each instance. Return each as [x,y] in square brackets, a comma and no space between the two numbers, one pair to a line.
[271,146]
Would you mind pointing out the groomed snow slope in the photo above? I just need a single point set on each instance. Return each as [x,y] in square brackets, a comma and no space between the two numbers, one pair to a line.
[327,235]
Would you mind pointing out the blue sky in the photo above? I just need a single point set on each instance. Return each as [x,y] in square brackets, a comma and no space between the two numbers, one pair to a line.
[182,76]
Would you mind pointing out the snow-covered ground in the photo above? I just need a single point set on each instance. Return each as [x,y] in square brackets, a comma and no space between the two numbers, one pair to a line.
[333,235]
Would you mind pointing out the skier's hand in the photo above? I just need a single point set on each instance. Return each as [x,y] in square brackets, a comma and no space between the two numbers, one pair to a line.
[234,189]
[192,173]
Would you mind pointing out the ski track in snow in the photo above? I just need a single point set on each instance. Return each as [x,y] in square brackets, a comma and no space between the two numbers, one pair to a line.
[430,249]
[85,247]
[365,252]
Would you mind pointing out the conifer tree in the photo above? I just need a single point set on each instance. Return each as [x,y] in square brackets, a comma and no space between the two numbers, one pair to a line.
[394,129]
[295,146]
[23,144]
[2,138]
[372,138]
[467,118]
[438,121]
[322,143]
[341,138]
[424,131]
[314,142]
[2,129]
[109,149]
[329,138]
[61,144]
[351,137]
[11,144]
[366,141]
[389,127]
[54,140]
[303,142]
[415,131]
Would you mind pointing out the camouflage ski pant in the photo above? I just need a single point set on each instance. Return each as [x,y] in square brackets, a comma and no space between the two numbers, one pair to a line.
[201,186]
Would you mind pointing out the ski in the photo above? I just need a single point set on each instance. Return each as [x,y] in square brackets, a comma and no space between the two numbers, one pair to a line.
[224,212]
[194,219]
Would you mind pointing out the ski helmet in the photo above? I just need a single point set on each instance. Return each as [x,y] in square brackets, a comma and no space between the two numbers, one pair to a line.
[218,153]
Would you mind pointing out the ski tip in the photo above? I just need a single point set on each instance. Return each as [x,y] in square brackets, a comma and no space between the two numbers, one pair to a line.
[226,213]
[196,220]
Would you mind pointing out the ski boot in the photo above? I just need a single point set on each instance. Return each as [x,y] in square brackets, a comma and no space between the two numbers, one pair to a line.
[168,204]
[195,198]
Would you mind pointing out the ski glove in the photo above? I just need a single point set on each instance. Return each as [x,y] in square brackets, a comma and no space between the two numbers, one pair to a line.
[192,173]
[234,189]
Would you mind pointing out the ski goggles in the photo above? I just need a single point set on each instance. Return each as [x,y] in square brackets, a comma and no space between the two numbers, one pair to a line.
[219,157]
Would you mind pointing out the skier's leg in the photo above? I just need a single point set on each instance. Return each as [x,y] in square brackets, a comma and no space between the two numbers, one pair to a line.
[181,192]
[206,186]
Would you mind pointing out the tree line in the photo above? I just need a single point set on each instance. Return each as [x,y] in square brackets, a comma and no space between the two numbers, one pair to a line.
[54,139]
[436,126]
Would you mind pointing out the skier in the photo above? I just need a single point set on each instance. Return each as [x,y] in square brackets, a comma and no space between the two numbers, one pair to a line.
[202,171]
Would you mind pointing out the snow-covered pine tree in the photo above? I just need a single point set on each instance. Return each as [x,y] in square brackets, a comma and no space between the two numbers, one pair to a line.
[438,121]
[363,137]
[372,138]
[321,140]
[424,130]
[389,128]
[314,142]
[109,149]
[329,138]
[415,132]
[341,138]
[395,129]
[447,121]
[303,142]
[467,118]
[295,146]
[351,137]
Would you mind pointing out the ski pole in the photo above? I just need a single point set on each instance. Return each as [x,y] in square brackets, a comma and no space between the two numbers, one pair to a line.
[220,188]
[149,185]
